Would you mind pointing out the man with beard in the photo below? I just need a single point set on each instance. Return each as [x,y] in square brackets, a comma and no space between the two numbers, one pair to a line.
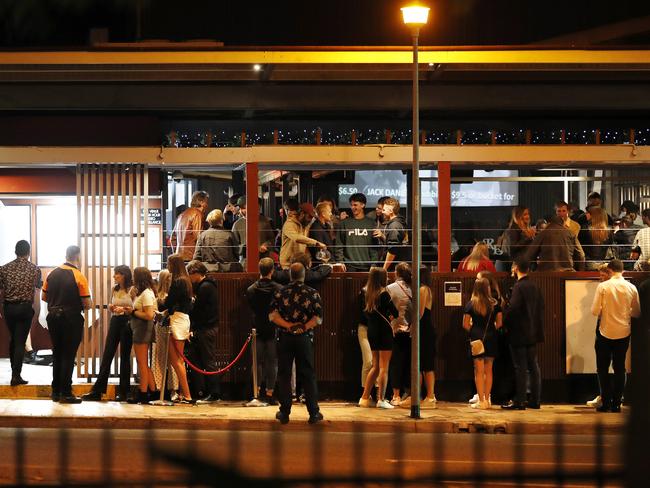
[295,230]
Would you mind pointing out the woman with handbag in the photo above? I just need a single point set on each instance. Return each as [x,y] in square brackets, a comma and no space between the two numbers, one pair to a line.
[481,319]
[380,313]
[144,311]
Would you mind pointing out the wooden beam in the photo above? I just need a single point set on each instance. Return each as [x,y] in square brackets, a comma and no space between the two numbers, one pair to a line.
[327,157]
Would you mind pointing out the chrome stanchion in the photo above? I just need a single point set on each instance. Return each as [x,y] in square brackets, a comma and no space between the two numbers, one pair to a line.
[255,402]
[162,402]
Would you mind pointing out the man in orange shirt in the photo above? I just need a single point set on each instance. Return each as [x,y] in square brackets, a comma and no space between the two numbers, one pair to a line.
[67,295]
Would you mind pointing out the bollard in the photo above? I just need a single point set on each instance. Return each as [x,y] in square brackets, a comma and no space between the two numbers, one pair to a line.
[255,402]
[162,402]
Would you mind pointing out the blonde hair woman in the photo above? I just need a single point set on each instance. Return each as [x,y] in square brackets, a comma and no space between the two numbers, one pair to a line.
[481,319]
[597,238]
[478,260]
[160,333]
[519,233]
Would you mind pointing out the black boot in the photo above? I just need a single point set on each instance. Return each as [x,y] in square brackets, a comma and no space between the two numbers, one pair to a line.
[140,398]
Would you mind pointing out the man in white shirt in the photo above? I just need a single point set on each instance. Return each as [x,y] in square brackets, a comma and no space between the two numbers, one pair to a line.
[616,302]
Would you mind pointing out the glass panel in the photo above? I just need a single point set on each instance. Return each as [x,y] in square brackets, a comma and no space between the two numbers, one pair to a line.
[56,229]
[15,222]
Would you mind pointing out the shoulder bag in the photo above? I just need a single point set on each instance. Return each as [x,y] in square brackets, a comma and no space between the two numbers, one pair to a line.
[477,346]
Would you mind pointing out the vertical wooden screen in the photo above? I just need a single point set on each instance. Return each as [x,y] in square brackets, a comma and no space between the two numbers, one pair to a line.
[112,208]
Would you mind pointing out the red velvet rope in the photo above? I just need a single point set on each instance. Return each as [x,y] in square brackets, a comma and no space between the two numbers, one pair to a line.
[220,371]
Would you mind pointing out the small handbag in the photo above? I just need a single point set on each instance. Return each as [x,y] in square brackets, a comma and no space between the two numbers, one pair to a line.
[477,346]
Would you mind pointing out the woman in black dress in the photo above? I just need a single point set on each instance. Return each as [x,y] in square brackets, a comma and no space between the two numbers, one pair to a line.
[427,337]
[482,318]
[380,311]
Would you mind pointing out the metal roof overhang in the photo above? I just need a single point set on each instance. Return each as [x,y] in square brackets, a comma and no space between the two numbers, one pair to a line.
[306,63]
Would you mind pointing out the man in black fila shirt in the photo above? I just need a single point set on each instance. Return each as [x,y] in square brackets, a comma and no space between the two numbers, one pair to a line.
[356,246]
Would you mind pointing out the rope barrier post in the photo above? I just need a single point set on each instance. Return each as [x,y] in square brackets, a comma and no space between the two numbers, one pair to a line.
[255,402]
[162,402]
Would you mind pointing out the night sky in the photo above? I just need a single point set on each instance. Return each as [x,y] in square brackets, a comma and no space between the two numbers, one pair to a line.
[66,23]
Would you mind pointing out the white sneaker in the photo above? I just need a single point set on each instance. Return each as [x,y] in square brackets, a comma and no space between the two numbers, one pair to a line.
[474,399]
[396,401]
[596,402]
[384,404]
[430,403]
[406,401]
[364,402]
[484,405]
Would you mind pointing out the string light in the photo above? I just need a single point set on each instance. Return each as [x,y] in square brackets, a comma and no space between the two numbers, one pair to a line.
[371,135]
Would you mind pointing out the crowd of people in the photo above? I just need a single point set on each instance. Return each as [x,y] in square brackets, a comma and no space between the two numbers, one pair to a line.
[352,242]
[355,240]
[572,239]
[183,302]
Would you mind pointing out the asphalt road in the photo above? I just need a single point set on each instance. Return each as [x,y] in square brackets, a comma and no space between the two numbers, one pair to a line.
[243,458]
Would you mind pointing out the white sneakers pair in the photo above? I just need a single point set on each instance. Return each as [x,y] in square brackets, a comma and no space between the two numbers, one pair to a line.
[484,405]
[369,402]
[398,401]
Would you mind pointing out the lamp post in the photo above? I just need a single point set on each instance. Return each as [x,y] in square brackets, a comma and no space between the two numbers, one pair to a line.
[415,17]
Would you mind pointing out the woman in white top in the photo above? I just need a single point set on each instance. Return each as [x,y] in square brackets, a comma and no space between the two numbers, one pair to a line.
[144,309]
[119,333]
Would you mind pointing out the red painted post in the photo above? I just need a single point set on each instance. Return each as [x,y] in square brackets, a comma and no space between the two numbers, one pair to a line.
[444,217]
[252,220]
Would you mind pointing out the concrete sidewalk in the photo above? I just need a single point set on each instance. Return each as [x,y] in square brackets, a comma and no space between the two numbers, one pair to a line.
[339,417]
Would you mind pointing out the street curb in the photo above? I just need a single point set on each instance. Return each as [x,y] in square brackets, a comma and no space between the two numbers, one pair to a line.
[295,425]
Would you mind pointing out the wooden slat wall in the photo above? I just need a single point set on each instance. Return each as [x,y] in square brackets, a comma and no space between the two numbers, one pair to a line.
[110,199]
[337,349]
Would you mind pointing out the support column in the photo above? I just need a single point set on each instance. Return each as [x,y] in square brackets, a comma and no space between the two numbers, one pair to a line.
[444,217]
[252,218]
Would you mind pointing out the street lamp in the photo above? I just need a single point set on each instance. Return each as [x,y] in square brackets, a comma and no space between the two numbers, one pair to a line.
[415,17]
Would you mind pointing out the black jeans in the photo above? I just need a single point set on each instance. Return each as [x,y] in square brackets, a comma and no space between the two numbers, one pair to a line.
[202,351]
[301,349]
[66,331]
[119,333]
[18,317]
[611,351]
[524,359]
[267,361]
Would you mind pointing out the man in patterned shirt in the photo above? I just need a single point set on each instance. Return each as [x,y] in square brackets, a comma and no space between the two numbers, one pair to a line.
[296,309]
[19,279]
